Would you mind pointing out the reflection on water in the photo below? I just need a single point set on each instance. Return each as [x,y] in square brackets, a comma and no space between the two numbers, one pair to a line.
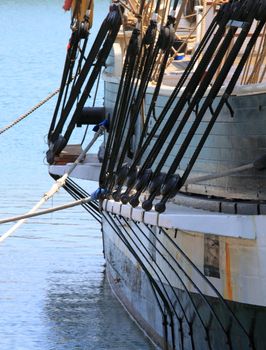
[91,314]
[53,293]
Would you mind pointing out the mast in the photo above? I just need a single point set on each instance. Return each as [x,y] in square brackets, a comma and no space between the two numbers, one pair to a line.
[81,10]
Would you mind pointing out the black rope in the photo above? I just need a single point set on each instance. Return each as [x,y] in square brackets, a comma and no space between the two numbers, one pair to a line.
[171,121]
[123,96]
[176,91]
[152,281]
[126,115]
[208,282]
[208,101]
[72,80]
[86,207]
[181,280]
[193,93]
[155,271]
[93,104]
[92,206]
[149,58]
[67,74]
[224,98]
[130,115]
[161,42]
[104,41]
[83,194]
[189,90]
[135,92]
[100,62]
[77,193]
[141,151]
[212,94]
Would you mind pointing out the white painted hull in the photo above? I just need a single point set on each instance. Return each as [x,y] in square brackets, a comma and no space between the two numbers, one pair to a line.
[235,264]
[224,239]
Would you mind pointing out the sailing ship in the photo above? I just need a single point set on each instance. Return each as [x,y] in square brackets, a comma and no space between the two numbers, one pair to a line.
[181,169]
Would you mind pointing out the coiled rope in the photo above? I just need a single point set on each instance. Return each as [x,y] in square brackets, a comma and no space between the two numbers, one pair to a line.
[23,116]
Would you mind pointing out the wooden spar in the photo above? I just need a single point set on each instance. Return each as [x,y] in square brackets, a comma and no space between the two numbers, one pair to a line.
[133,6]
[56,186]
[82,9]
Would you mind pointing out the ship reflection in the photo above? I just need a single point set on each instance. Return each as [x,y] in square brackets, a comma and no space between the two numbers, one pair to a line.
[85,315]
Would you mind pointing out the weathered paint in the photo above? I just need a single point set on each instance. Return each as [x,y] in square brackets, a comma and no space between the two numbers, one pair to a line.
[135,293]
[211,256]
[229,288]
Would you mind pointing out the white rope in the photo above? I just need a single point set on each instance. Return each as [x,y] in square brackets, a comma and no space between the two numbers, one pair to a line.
[23,116]
[44,211]
[197,179]
[56,186]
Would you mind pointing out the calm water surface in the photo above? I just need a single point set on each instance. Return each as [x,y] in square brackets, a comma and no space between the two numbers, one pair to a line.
[53,292]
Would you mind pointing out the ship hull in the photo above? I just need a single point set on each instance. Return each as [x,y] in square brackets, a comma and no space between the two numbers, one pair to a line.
[191,273]
[134,273]
[206,288]
[213,295]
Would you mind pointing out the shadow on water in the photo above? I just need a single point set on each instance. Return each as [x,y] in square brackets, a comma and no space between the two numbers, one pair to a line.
[87,316]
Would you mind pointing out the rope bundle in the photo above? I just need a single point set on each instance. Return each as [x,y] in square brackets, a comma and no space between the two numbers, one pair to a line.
[144,170]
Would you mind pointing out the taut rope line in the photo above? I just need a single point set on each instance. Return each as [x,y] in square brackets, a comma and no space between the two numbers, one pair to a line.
[56,186]
[45,211]
[23,116]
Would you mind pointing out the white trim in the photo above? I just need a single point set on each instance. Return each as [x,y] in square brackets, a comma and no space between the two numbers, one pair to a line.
[194,220]
[166,90]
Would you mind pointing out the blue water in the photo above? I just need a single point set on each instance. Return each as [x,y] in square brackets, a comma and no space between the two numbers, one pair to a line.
[53,291]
